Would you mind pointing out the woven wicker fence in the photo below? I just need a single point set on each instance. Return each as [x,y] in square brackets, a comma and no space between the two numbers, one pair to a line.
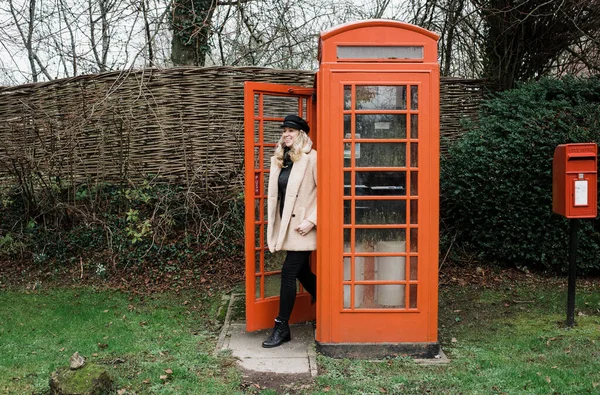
[184,125]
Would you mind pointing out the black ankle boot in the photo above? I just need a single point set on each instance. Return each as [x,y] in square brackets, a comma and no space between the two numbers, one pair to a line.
[280,334]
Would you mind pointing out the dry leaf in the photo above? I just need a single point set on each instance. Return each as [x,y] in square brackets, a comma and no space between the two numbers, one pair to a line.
[548,379]
[164,377]
[121,391]
[105,311]
[147,381]
[454,340]
[168,371]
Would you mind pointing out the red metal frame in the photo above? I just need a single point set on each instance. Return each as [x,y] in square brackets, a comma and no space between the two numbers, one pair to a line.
[262,308]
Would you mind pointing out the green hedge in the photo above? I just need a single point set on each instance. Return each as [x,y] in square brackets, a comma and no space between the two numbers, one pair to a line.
[496,182]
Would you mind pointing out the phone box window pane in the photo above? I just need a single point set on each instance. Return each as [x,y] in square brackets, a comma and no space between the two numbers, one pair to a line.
[347,268]
[414,240]
[372,212]
[274,261]
[414,212]
[381,97]
[414,154]
[414,268]
[414,97]
[380,240]
[380,183]
[374,296]
[347,211]
[347,126]
[347,97]
[413,296]
[392,52]
[272,285]
[346,296]
[380,154]
[380,126]
[390,268]
[414,126]
[414,183]
[347,240]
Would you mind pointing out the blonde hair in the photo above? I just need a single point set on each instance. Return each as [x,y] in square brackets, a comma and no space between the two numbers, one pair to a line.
[302,144]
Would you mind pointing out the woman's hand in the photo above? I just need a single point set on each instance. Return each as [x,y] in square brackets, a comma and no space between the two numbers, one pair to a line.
[305,227]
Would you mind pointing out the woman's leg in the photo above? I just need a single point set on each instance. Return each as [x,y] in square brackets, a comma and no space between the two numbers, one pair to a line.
[308,279]
[295,263]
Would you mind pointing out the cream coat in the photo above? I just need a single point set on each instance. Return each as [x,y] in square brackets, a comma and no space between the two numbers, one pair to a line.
[300,204]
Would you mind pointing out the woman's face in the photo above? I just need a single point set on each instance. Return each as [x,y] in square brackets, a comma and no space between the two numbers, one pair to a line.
[289,136]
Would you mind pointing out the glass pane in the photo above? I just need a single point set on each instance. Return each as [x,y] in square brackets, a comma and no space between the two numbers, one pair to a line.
[256,105]
[414,240]
[347,271]
[257,255]
[370,212]
[347,236]
[268,152]
[390,268]
[380,97]
[347,97]
[379,52]
[346,296]
[414,97]
[274,261]
[413,296]
[380,183]
[380,240]
[256,131]
[414,154]
[256,157]
[379,296]
[347,212]
[272,285]
[257,231]
[381,126]
[348,153]
[265,184]
[257,287]
[414,183]
[347,183]
[414,126]
[257,203]
[304,108]
[414,268]
[380,154]
[414,211]
[347,126]
[359,268]
[279,106]
[271,135]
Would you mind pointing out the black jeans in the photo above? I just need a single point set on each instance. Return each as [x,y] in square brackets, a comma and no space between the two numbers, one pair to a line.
[296,266]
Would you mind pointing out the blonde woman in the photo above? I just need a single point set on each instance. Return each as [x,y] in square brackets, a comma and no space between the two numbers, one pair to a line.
[292,217]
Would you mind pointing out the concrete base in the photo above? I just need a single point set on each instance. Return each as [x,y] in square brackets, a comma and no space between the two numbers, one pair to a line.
[379,350]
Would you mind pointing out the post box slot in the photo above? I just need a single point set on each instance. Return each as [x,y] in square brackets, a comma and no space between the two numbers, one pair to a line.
[581,164]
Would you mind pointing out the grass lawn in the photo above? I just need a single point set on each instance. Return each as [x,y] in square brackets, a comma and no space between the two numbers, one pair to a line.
[503,334]
[138,339]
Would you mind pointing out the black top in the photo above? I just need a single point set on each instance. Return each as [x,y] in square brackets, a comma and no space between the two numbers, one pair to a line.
[284,176]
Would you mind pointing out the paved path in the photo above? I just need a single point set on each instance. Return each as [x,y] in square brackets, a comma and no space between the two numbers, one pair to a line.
[297,356]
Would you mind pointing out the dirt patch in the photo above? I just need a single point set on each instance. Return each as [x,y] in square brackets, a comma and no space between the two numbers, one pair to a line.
[255,382]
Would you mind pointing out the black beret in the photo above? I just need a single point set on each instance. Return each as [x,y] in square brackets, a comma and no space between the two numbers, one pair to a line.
[295,122]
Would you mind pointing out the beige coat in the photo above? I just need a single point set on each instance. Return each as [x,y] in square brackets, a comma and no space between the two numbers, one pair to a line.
[300,204]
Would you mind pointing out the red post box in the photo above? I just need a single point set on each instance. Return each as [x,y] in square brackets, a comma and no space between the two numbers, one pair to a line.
[575,180]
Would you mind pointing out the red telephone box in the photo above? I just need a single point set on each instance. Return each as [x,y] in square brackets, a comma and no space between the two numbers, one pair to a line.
[378,192]
[378,172]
